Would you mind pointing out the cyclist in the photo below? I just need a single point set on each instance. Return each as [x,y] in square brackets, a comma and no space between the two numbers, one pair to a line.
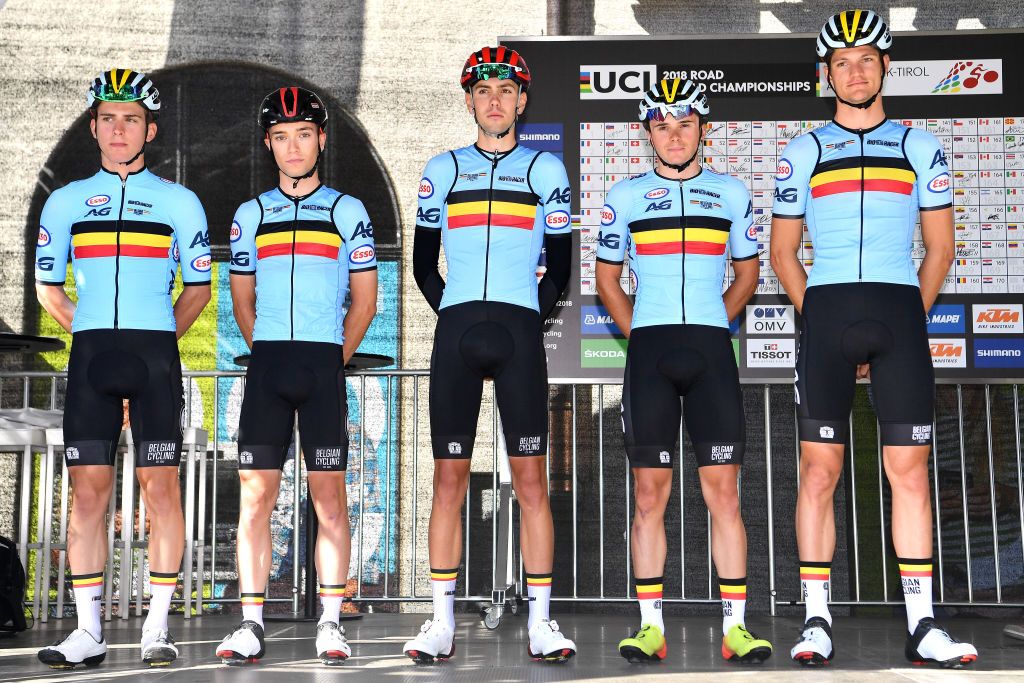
[495,204]
[297,251]
[127,230]
[675,222]
[859,182]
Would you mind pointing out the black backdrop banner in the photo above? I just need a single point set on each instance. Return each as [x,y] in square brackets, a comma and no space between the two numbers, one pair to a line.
[964,87]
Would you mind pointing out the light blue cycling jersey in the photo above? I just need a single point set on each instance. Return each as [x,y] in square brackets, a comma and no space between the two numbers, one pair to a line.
[493,213]
[678,275]
[126,239]
[301,250]
[860,193]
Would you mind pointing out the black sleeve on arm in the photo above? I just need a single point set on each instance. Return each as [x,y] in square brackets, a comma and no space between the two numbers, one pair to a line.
[426,248]
[558,257]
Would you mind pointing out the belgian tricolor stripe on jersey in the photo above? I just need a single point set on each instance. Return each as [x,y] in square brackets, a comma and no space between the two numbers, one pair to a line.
[505,208]
[92,239]
[309,238]
[879,174]
[706,235]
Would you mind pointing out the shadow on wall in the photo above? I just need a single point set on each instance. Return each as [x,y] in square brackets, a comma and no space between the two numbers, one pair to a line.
[209,141]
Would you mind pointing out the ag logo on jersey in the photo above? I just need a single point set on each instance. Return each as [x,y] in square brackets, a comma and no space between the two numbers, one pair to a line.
[361,255]
[426,188]
[939,183]
[557,219]
[202,263]
[607,215]
[97,200]
[235,233]
[656,193]
[785,169]
[44,237]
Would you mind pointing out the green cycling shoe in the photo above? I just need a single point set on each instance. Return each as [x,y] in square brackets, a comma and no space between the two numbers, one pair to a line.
[740,645]
[646,645]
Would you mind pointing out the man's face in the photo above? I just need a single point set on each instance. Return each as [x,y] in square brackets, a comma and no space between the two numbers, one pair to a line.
[496,103]
[856,72]
[675,140]
[120,129]
[295,146]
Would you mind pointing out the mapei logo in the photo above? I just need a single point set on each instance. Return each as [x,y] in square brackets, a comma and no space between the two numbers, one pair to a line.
[997,318]
[948,353]
[202,263]
[939,183]
[597,320]
[97,200]
[970,77]
[657,193]
[946,318]
[616,81]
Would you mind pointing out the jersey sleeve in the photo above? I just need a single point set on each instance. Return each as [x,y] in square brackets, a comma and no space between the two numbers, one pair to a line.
[356,231]
[438,179]
[243,238]
[193,238]
[549,181]
[926,155]
[742,242]
[611,241]
[53,242]
[793,177]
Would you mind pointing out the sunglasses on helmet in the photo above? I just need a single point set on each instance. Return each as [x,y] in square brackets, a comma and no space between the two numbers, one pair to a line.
[660,111]
[487,71]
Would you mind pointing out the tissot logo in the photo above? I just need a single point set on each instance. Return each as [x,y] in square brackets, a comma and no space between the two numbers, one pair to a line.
[615,81]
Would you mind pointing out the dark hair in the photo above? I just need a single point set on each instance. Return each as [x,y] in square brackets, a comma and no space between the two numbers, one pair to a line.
[701,120]
[831,53]
[150,116]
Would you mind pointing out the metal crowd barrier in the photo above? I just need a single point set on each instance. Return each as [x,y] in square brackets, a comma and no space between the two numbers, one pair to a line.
[592,438]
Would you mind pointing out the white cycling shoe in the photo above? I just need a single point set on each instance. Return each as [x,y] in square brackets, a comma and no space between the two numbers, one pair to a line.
[548,644]
[158,648]
[331,646]
[78,647]
[931,644]
[815,645]
[244,645]
[434,642]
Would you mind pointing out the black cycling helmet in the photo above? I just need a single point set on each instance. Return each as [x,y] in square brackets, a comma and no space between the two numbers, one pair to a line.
[288,105]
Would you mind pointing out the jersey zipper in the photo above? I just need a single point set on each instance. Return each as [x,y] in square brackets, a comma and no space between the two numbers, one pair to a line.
[860,250]
[291,293]
[117,251]
[487,242]
[682,248]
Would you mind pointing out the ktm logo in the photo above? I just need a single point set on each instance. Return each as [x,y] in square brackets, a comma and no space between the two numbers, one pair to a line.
[947,350]
[998,315]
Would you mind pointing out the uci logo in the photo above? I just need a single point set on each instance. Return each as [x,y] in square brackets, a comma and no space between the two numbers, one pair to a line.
[97,200]
[615,82]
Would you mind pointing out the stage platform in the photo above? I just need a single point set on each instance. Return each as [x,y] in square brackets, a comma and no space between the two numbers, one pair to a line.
[867,649]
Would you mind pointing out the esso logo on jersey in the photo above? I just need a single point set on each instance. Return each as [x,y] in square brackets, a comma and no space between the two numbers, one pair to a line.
[785,169]
[361,255]
[752,233]
[607,215]
[44,237]
[236,231]
[426,188]
[202,263]
[939,183]
[557,219]
[657,193]
[97,200]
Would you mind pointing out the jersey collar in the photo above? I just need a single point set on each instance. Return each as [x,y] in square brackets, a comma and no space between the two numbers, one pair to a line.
[491,156]
[295,198]
[676,180]
[861,131]
[130,173]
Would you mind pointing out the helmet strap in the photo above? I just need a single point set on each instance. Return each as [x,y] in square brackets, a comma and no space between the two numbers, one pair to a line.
[309,174]
[679,168]
[515,120]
